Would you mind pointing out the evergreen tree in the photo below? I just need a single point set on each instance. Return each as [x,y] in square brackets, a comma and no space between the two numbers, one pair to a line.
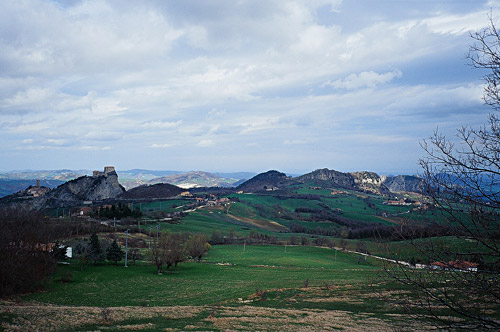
[114,253]
[94,251]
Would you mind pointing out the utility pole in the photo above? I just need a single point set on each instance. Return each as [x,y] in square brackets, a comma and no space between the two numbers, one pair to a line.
[126,247]
[157,231]
[244,244]
[150,228]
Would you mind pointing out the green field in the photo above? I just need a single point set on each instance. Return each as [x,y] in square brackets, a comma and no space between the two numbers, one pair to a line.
[292,277]
[252,267]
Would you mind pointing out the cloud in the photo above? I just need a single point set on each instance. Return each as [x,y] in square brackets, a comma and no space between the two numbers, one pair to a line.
[296,141]
[94,148]
[205,143]
[368,79]
[162,124]
[263,75]
[161,146]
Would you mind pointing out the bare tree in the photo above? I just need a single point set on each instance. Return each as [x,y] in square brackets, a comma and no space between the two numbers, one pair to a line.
[26,241]
[168,250]
[197,246]
[462,178]
[176,251]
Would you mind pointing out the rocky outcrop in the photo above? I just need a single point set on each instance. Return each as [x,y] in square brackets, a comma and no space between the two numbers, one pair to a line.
[405,183]
[370,182]
[86,188]
[360,181]
[332,177]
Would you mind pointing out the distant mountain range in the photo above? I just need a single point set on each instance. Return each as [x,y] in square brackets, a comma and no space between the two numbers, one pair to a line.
[325,178]
[12,182]
[102,186]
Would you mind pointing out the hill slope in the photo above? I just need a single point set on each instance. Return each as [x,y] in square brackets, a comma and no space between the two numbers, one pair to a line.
[159,190]
[268,181]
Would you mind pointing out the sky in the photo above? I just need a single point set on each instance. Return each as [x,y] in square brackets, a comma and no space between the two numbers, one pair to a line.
[242,85]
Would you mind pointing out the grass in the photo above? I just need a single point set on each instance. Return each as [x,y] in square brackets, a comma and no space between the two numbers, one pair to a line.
[248,287]
[263,267]
[169,205]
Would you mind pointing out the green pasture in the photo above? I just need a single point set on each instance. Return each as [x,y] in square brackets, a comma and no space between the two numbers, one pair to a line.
[447,246]
[207,283]
[170,205]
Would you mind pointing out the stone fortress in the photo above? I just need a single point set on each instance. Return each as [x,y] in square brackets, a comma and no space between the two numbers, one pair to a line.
[107,170]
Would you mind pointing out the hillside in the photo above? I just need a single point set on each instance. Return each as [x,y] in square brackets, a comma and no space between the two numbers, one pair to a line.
[159,190]
[404,183]
[329,177]
[266,182]
[359,181]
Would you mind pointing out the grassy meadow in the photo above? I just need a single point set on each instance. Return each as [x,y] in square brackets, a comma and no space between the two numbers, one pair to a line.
[282,288]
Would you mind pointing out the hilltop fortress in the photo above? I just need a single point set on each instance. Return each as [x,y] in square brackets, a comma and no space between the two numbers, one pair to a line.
[107,170]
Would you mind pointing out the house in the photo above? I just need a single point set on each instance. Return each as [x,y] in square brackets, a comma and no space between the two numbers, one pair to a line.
[338,192]
[455,266]
[401,202]
[84,211]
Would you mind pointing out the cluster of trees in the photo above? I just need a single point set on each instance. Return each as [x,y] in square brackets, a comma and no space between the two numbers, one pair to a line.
[26,251]
[30,248]
[118,211]
[261,238]
[173,248]
[330,231]
[92,251]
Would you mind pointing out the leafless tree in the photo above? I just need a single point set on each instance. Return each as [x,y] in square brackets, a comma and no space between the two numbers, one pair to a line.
[197,246]
[169,250]
[462,177]
[26,241]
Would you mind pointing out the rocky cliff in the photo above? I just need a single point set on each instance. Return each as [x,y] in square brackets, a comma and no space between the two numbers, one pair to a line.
[408,183]
[74,192]
[332,177]
[370,182]
[88,188]
[360,181]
